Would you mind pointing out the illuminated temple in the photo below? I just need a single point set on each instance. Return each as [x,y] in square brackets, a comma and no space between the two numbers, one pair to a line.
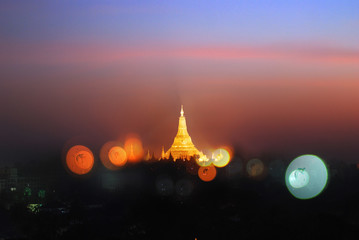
[182,147]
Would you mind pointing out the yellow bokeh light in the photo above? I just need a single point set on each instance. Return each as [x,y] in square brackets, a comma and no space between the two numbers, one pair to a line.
[203,161]
[221,157]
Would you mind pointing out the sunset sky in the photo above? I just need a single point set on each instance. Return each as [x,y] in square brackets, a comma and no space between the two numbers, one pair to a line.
[261,76]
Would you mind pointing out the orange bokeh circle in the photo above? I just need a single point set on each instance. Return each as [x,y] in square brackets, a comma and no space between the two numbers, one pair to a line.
[79,159]
[208,173]
[134,149]
[112,155]
[117,156]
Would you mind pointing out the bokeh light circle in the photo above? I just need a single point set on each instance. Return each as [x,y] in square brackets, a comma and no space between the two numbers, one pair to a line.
[299,178]
[112,155]
[133,148]
[184,187]
[204,160]
[234,168]
[117,156]
[84,159]
[79,159]
[255,167]
[277,169]
[164,185]
[221,157]
[306,176]
[208,173]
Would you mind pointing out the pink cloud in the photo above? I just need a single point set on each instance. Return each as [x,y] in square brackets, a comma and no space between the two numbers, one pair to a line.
[104,54]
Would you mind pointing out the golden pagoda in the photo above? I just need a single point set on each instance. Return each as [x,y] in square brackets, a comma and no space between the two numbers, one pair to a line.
[182,147]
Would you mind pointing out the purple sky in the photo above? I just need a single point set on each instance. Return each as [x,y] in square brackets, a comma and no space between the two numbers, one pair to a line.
[264,76]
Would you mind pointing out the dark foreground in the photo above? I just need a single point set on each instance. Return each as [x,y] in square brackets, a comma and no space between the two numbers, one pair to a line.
[163,201]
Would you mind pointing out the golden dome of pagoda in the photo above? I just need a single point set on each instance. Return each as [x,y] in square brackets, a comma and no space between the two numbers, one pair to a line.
[182,147]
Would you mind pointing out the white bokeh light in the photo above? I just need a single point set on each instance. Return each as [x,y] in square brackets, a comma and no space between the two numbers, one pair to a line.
[306,176]
[299,178]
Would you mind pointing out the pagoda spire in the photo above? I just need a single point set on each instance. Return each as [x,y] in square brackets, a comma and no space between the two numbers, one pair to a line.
[148,156]
[182,146]
[132,155]
[163,155]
